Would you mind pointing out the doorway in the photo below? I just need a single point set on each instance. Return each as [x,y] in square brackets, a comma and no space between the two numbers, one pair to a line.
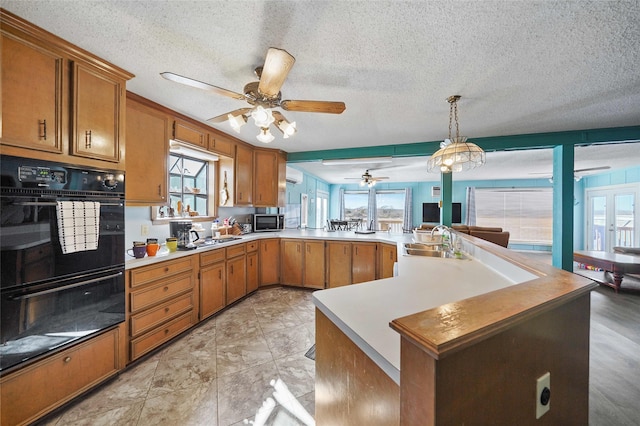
[612,217]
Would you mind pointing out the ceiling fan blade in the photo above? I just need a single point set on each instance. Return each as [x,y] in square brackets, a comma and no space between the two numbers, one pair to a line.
[200,85]
[314,106]
[276,67]
[223,117]
[591,169]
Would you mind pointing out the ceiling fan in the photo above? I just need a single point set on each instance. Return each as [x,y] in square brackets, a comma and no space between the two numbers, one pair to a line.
[576,176]
[368,179]
[263,95]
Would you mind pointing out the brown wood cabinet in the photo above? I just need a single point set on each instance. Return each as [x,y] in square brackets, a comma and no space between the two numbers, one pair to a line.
[252,266]
[314,264]
[98,103]
[265,178]
[212,282]
[269,261]
[39,388]
[221,144]
[163,302]
[190,133]
[387,257]
[363,262]
[291,255]
[338,263]
[32,85]
[243,176]
[147,153]
[59,102]
[236,273]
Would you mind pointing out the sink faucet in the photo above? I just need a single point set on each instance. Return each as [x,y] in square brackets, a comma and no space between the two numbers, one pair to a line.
[445,230]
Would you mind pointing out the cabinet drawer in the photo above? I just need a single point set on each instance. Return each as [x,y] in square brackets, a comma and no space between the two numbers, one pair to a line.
[252,246]
[236,250]
[212,256]
[144,344]
[160,292]
[44,386]
[145,321]
[147,274]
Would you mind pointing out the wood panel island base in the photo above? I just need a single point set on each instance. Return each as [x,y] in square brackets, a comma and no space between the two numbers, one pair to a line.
[471,355]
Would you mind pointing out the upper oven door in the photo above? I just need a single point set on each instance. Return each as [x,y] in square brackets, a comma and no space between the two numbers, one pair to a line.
[30,247]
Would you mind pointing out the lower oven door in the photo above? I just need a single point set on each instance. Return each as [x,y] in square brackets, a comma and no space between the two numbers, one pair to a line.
[43,318]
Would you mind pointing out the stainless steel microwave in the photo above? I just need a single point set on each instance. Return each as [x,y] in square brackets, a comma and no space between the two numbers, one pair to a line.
[268,222]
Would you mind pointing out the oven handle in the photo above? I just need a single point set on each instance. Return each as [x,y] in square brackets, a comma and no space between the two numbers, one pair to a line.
[37,203]
[64,287]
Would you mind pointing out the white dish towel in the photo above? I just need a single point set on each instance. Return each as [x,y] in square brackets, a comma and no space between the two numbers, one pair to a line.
[78,225]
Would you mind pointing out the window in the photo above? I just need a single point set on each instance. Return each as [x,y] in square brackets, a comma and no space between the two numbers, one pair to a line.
[387,207]
[527,213]
[191,183]
[390,210]
[356,205]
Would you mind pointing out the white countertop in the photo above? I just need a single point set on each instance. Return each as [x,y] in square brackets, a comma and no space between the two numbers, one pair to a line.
[363,311]
[311,234]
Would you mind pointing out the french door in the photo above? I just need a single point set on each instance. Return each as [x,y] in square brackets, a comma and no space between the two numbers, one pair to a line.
[612,217]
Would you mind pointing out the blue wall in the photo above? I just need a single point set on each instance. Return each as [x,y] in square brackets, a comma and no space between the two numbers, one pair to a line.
[310,185]
[422,194]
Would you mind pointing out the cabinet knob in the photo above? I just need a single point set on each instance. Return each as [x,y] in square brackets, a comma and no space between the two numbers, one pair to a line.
[166,289]
[166,269]
[67,359]
[166,331]
[166,310]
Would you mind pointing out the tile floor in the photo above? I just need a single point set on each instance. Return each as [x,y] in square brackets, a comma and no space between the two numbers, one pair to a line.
[217,374]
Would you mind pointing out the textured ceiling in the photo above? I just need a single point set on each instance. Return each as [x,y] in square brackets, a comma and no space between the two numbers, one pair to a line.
[520,66]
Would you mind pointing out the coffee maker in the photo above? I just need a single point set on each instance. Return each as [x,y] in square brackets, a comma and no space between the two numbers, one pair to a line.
[181,229]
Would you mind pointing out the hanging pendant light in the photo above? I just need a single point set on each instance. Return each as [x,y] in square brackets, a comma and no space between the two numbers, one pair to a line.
[456,154]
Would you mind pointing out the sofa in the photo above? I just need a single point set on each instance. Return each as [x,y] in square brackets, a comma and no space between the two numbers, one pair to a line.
[494,235]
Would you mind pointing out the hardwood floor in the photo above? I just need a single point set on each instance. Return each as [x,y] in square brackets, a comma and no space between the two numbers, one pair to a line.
[614,377]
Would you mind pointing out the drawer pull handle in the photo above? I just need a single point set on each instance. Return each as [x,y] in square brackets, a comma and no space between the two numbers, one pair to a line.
[166,289]
[166,269]
[166,331]
[219,274]
[87,139]
[43,133]
[166,310]
[67,359]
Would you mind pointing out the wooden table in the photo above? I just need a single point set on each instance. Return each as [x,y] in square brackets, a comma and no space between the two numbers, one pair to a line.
[616,263]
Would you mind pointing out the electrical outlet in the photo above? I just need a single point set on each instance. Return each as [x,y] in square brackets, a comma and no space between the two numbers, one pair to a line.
[144,230]
[543,394]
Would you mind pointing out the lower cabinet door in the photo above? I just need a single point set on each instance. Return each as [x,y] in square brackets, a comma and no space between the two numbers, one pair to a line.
[212,289]
[34,391]
[252,271]
[363,257]
[314,267]
[236,278]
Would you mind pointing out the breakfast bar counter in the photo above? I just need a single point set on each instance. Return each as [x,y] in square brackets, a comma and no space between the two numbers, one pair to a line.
[447,333]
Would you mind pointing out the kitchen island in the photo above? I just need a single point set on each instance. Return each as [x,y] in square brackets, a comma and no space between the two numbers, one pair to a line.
[452,341]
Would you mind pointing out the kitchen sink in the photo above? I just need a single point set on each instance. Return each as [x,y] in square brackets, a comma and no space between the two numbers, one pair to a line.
[431,250]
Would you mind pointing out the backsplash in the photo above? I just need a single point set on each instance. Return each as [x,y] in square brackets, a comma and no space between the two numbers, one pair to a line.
[138,217]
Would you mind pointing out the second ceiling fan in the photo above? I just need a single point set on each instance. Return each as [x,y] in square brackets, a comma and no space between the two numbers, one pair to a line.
[368,180]
[264,95]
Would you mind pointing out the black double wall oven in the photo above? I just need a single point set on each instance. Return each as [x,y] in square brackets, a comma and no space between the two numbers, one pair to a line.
[55,293]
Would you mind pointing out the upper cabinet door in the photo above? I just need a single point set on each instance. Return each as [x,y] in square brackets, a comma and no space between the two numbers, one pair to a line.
[147,155]
[97,100]
[244,176]
[186,132]
[31,96]
[265,178]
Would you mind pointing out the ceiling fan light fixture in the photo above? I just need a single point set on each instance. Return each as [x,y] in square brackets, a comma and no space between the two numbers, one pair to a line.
[265,135]
[263,117]
[456,154]
[237,121]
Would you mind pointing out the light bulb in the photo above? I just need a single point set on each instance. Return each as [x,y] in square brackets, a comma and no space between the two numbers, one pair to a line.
[237,121]
[262,117]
